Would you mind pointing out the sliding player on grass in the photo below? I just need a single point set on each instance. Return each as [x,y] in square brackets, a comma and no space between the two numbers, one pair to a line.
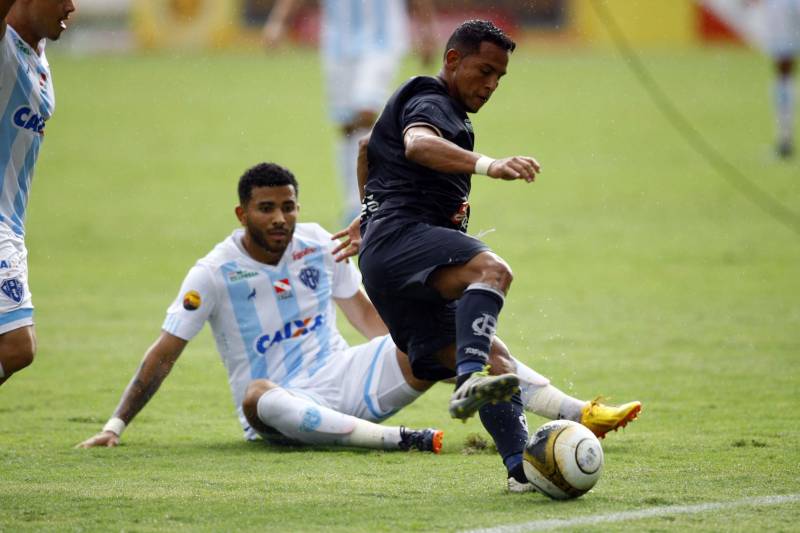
[297,379]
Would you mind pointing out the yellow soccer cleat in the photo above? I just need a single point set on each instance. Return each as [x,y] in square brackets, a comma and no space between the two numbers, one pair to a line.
[601,418]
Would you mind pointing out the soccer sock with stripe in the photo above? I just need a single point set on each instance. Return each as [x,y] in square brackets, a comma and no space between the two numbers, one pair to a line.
[302,420]
[476,322]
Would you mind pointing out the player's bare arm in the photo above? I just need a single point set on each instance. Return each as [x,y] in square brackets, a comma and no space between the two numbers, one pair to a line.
[425,147]
[362,315]
[156,365]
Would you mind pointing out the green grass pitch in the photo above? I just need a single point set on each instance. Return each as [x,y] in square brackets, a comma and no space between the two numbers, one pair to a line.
[639,274]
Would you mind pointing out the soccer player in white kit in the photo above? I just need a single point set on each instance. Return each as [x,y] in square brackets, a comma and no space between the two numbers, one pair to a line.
[783,40]
[268,291]
[27,102]
[362,44]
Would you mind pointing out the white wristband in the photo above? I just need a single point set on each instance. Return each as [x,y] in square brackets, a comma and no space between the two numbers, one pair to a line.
[115,425]
[482,165]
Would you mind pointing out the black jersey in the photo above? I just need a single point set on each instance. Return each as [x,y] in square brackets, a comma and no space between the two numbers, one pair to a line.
[399,188]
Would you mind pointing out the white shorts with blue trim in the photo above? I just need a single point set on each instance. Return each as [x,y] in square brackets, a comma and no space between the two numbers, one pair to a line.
[364,381]
[783,27]
[359,84]
[16,307]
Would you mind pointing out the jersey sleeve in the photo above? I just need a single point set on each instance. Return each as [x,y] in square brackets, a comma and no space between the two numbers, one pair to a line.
[193,305]
[431,110]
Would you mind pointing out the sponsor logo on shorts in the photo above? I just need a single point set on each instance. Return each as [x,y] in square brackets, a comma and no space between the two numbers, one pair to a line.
[310,277]
[290,330]
[484,326]
[239,275]
[304,252]
[312,419]
[13,289]
[192,301]
[4,264]
[283,289]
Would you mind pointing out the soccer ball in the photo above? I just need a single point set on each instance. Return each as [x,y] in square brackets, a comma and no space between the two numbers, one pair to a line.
[563,459]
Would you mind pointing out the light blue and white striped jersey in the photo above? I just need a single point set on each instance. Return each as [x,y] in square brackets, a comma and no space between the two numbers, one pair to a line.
[355,28]
[274,322]
[27,101]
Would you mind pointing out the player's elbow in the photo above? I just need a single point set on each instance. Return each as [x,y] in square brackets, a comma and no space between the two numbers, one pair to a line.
[414,149]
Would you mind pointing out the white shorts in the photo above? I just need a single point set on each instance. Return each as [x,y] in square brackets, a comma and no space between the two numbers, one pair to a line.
[359,84]
[365,381]
[783,27]
[16,308]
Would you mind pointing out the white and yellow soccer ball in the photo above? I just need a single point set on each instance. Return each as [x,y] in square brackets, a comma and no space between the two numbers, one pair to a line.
[563,459]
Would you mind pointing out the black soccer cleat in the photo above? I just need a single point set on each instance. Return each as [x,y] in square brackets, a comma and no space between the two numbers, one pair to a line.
[424,440]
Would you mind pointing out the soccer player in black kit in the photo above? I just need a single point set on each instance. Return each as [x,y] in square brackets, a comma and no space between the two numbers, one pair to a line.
[438,289]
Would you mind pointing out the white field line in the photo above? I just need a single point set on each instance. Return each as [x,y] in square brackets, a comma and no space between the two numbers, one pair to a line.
[666,510]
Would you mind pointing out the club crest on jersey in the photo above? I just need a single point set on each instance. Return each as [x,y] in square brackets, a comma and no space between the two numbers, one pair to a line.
[310,277]
[290,330]
[283,289]
[13,289]
[192,300]
[460,218]
[25,118]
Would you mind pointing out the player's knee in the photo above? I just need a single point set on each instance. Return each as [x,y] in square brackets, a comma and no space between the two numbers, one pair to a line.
[495,271]
[18,352]
[255,390]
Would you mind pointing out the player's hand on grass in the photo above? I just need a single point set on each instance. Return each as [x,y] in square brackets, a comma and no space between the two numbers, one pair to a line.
[107,439]
[515,168]
[350,243]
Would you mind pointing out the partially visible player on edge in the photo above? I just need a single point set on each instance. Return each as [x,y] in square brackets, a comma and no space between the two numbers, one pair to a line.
[28,101]
[362,44]
[438,289]
[783,23]
[268,291]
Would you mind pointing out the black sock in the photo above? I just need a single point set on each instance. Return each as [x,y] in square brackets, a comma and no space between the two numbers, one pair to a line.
[476,322]
[505,422]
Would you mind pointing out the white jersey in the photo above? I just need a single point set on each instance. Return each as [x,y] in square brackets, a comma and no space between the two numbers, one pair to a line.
[274,322]
[27,101]
[357,28]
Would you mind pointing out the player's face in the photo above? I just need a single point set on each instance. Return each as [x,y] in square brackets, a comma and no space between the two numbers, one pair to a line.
[50,17]
[476,76]
[269,219]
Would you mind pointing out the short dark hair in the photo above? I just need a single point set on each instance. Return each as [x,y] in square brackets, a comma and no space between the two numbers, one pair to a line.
[467,38]
[264,175]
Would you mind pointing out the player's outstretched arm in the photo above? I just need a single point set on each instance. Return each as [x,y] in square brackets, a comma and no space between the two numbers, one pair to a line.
[156,365]
[362,315]
[424,146]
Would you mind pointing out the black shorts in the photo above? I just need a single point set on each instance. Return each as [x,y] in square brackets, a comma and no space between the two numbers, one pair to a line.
[396,260]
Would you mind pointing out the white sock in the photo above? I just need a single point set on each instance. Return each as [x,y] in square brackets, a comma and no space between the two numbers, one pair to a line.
[305,421]
[784,107]
[348,160]
[539,397]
